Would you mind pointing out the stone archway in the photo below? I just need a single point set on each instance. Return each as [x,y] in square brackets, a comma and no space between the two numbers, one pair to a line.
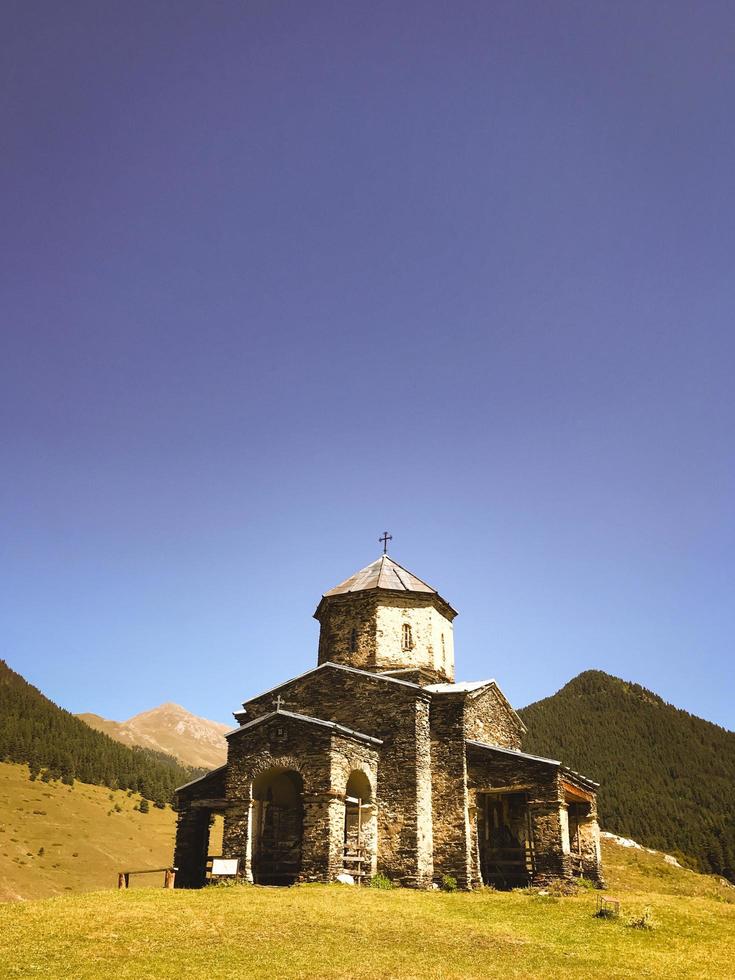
[359,827]
[277,826]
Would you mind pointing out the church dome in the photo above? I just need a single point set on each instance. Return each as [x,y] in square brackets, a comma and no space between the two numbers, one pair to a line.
[386,618]
[384,573]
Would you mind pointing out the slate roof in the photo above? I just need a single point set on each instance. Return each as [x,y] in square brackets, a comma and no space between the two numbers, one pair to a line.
[572,773]
[200,779]
[382,574]
[461,687]
[281,712]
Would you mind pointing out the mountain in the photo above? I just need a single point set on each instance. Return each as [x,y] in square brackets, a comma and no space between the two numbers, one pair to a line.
[36,731]
[171,729]
[668,777]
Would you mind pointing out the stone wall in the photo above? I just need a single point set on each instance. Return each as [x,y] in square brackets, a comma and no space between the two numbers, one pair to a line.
[489,719]
[378,620]
[339,616]
[397,713]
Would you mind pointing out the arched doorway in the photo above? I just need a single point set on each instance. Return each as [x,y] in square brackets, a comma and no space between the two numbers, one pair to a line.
[278,818]
[359,830]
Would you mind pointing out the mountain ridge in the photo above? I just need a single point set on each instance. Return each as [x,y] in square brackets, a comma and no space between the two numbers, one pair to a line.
[57,745]
[169,728]
[667,777]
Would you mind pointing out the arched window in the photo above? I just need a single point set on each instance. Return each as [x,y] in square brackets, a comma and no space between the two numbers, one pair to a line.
[353,640]
[406,637]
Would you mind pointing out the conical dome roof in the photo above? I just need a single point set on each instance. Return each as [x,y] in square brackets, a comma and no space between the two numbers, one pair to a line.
[384,573]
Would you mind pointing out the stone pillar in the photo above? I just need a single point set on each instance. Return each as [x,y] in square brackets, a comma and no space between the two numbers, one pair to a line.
[589,845]
[370,838]
[237,835]
[451,821]
[192,843]
[475,875]
[318,849]
[336,821]
[548,841]
[424,816]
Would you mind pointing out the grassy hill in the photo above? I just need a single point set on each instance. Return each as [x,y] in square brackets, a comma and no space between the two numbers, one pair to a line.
[335,931]
[56,838]
[668,777]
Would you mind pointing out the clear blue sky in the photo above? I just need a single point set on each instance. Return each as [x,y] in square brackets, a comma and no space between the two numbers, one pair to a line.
[278,276]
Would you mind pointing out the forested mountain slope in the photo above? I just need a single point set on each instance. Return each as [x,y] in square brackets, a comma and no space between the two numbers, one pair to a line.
[668,777]
[36,731]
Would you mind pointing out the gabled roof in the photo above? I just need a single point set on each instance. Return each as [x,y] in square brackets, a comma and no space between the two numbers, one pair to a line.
[511,752]
[200,779]
[309,720]
[328,664]
[461,687]
[570,773]
[384,573]
[474,688]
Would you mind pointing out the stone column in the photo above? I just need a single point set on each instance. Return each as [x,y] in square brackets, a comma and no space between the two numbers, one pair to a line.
[317,848]
[548,841]
[589,843]
[237,835]
[451,823]
[336,833]
[475,876]
[192,843]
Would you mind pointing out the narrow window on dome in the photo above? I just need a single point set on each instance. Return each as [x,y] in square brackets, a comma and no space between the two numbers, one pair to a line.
[353,641]
[407,638]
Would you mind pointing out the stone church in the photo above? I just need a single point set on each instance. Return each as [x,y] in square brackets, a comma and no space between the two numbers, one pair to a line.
[377,760]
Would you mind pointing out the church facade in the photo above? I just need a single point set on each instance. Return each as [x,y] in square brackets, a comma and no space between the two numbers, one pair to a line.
[377,760]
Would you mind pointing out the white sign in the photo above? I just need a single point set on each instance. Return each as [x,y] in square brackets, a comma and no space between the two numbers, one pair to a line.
[225,866]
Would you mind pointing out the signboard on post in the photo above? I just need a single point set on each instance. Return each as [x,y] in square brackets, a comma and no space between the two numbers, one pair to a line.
[225,866]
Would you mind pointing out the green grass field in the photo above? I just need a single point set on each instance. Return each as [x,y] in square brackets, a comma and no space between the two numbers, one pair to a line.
[337,931]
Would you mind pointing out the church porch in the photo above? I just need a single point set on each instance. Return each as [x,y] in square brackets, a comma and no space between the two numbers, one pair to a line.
[297,795]
[520,808]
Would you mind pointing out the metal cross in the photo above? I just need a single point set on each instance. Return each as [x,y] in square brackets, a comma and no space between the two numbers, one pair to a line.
[385,539]
[278,702]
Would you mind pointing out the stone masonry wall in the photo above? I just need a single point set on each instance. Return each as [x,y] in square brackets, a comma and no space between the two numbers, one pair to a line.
[432,635]
[378,620]
[340,615]
[488,719]
[397,713]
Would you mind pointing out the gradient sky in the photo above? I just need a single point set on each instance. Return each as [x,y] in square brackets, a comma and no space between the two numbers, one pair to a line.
[277,276]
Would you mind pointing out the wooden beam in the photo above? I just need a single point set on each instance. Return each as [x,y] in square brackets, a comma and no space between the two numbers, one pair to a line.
[576,793]
[219,804]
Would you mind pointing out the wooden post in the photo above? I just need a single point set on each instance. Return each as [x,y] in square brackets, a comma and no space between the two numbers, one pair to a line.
[169,877]
[121,883]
